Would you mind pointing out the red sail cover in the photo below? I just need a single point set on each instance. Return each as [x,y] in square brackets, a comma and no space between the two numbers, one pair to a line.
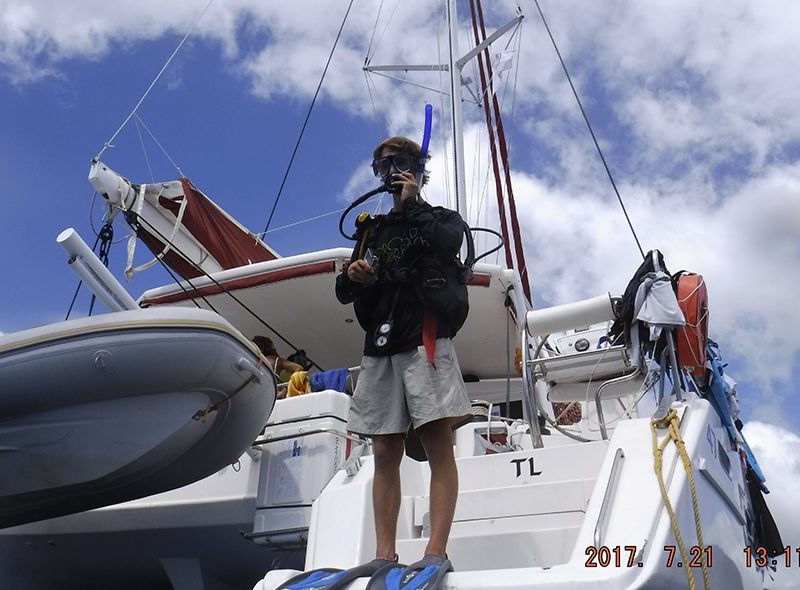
[230,244]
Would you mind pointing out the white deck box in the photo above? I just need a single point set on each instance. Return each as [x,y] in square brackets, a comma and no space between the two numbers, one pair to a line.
[305,454]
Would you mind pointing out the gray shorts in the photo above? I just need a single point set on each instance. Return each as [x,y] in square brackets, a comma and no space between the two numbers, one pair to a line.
[395,391]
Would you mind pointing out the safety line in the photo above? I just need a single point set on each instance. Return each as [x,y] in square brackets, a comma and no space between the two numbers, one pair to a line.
[308,116]
[109,143]
[591,131]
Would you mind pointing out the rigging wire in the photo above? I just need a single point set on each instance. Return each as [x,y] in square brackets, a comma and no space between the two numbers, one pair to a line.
[184,289]
[452,94]
[591,131]
[161,147]
[371,98]
[485,189]
[372,37]
[386,26]
[287,226]
[134,225]
[410,83]
[491,82]
[223,289]
[516,77]
[109,143]
[503,148]
[492,145]
[308,116]
[518,29]
[475,180]
[136,120]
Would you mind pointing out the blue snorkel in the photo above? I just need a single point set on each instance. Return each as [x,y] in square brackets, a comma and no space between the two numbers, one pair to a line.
[426,139]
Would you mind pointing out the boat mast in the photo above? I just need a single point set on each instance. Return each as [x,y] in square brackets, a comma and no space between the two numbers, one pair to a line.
[454,66]
[455,109]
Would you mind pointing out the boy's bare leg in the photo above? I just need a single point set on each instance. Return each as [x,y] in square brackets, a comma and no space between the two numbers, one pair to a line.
[437,439]
[388,449]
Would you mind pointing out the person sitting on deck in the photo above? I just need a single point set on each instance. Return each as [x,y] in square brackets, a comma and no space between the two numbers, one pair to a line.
[280,366]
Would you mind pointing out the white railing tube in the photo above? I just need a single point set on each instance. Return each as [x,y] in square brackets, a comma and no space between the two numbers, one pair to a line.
[92,272]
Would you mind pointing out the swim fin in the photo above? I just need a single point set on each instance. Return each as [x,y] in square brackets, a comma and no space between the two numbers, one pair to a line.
[426,574]
[387,578]
[327,578]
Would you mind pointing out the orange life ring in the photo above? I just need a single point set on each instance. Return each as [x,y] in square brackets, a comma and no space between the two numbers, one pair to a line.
[692,338]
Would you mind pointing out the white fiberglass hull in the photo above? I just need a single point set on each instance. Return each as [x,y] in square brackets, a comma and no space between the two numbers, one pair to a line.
[540,518]
[169,540]
[107,409]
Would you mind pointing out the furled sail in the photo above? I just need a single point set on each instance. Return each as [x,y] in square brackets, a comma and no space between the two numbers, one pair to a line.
[178,223]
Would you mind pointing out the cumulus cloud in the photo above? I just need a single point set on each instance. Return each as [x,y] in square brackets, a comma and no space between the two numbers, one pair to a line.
[695,107]
[38,36]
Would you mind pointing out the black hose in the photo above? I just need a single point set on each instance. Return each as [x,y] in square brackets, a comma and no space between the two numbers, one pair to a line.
[493,250]
[381,189]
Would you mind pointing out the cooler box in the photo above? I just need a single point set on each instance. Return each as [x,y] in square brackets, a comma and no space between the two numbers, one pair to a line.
[298,464]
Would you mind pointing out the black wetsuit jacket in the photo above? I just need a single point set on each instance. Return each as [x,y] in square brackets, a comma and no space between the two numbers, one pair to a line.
[397,240]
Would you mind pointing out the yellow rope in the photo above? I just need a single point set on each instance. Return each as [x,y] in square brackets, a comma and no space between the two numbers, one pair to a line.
[672,423]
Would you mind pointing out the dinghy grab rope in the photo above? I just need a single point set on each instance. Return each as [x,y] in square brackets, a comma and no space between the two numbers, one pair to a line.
[202,414]
[673,425]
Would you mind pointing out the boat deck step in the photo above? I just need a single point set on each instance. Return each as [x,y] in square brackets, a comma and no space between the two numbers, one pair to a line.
[520,500]
[500,550]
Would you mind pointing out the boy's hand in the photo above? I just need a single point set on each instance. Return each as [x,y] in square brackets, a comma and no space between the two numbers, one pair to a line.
[361,272]
[407,182]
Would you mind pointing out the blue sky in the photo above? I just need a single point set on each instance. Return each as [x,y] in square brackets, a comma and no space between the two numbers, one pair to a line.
[696,108]
[234,146]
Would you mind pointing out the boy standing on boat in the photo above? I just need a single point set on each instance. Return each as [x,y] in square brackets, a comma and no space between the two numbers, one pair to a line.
[409,371]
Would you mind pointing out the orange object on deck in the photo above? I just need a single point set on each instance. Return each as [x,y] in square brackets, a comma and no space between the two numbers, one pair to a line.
[692,338]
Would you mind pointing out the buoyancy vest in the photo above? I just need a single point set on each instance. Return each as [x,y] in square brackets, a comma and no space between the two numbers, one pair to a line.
[440,284]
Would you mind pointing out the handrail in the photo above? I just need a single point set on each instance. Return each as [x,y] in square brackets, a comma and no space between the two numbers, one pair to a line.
[269,538]
[676,378]
[598,403]
[603,352]
[611,488]
[528,397]
[264,441]
[306,418]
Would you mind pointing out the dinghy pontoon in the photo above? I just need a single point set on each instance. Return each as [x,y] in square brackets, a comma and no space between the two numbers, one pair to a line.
[100,410]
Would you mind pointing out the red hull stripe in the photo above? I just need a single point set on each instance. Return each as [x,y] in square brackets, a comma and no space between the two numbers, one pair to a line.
[273,276]
[480,280]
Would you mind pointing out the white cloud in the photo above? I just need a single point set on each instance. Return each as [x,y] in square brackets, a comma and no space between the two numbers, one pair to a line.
[695,106]
[745,246]
[778,453]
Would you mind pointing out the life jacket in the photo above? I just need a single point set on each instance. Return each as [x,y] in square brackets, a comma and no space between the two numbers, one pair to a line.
[692,338]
